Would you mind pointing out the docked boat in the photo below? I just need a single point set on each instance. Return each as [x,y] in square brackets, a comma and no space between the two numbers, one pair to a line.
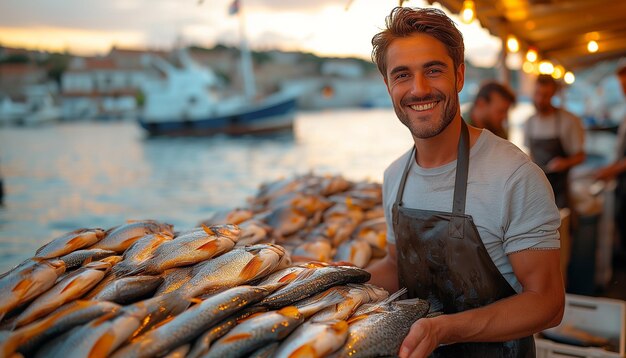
[189,99]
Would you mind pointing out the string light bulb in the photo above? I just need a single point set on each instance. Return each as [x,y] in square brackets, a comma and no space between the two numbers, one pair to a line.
[558,72]
[468,12]
[512,44]
[569,78]
[546,67]
[531,55]
[592,46]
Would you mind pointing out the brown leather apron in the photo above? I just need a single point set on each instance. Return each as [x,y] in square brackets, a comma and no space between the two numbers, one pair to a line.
[442,258]
[543,151]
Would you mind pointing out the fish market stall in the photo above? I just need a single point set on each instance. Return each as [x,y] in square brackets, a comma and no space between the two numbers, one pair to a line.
[281,276]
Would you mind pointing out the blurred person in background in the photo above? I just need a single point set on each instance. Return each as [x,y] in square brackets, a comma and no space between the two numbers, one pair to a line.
[617,170]
[555,138]
[491,108]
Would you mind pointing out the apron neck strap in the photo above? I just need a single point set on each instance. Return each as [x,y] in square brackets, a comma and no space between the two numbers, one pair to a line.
[462,165]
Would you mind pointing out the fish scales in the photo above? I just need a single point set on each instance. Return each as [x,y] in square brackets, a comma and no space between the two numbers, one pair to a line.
[193,322]
[381,331]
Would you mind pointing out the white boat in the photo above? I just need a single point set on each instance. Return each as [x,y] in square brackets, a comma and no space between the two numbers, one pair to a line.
[190,101]
[37,108]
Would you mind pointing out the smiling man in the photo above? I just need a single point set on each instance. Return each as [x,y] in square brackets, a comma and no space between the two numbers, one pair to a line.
[472,223]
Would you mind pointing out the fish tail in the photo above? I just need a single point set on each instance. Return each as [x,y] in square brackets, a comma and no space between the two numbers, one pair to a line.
[394,296]
[435,304]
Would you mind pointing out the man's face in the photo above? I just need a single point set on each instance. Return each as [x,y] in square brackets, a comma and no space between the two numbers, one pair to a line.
[495,111]
[423,84]
[542,98]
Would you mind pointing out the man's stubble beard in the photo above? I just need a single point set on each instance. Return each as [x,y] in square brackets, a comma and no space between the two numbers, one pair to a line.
[422,132]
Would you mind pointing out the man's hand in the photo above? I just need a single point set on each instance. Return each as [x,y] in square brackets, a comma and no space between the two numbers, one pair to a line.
[421,340]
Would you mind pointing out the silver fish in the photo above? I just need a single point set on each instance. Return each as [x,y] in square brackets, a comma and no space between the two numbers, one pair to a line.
[354,295]
[319,249]
[203,343]
[314,339]
[380,331]
[120,238]
[70,288]
[101,336]
[320,278]
[312,305]
[357,252]
[173,279]
[253,232]
[285,275]
[191,248]
[235,267]
[140,251]
[180,352]
[265,352]
[128,289]
[285,220]
[83,257]
[373,231]
[27,282]
[28,338]
[191,323]
[256,332]
[70,242]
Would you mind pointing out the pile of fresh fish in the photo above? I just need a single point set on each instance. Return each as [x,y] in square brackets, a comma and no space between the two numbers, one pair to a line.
[283,277]
[143,290]
[322,218]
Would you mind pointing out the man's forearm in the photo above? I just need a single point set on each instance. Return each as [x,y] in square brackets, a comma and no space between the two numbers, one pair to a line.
[514,317]
[384,274]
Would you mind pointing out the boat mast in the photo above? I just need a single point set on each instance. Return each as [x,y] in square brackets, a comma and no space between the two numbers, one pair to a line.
[247,70]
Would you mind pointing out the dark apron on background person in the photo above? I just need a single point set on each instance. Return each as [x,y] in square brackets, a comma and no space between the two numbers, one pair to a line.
[441,257]
[543,151]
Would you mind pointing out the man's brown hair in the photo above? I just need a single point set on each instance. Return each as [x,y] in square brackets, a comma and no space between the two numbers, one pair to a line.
[405,21]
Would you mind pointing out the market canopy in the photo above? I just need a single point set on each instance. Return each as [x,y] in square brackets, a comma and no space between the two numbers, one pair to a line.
[559,30]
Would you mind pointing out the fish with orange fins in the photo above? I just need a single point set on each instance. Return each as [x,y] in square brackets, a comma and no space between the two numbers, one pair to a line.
[191,248]
[194,321]
[68,289]
[70,242]
[27,281]
[256,332]
[313,339]
[120,238]
[236,267]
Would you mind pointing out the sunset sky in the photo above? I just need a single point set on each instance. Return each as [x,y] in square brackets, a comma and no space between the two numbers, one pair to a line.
[323,27]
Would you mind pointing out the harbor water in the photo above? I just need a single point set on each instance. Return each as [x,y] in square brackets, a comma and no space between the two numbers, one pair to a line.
[65,176]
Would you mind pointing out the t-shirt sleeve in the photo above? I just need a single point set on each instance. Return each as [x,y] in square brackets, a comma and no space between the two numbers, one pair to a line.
[531,216]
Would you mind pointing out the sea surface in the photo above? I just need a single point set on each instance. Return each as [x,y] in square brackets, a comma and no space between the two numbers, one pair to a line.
[65,176]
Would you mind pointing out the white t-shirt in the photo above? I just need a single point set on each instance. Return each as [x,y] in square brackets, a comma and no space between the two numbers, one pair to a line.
[567,127]
[508,196]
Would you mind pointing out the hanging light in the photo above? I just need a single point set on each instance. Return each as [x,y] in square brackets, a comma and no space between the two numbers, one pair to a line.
[468,12]
[512,44]
[528,67]
[569,78]
[592,46]
[531,55]
[546,67]
[558,72]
